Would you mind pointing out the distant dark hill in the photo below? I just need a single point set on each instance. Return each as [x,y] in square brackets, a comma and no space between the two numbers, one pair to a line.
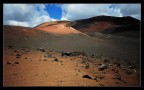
[122,26]
[111,19]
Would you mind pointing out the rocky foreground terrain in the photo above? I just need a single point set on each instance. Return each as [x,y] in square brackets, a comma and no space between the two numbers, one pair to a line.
[37,67]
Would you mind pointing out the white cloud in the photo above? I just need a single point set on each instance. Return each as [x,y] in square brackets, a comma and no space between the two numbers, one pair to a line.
[133,10]
[25,14]
[81,11]
[17,23]
[54,19]
[40,19]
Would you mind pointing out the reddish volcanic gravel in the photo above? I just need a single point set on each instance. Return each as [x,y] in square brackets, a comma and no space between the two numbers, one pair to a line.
[32,67]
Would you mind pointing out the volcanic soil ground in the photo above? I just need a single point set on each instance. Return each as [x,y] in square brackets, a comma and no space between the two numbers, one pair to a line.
[32,67]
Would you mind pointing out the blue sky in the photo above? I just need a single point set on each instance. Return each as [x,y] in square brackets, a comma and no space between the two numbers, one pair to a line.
[31,15]
[54,11]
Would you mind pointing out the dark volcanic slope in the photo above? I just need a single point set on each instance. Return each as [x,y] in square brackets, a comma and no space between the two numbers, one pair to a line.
[132,31]
[121,26]
[112,20]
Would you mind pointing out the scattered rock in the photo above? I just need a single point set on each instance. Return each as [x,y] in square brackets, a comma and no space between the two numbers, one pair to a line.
[49,55]
[18,54]
[8,62]
[86,66]
[41,49]
[110,64]
[45,55]
[116,71]
[45,60]
[117,63]
[25,49]
[65,53]
[85,61]
[117,76]
[82,62]
[73,53]
[106,61]
[92,56]
[134,70]
[16,63]
[86,76]
[18,57]
[99,64]
[15,74]
[96,79]
[116,82]
[131,66]
[99,77]
[101,84]
[102,67]
[10,47]
[15,50]
[55,59]
[79,71]
[35,74]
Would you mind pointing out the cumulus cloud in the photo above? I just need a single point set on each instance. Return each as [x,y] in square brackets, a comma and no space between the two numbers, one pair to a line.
[28,15]
[18,23]
[53,19]
[81,11]
[133,10]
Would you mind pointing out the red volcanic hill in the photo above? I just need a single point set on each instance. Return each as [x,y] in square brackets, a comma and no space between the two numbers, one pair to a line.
[57,27]
[123,26]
